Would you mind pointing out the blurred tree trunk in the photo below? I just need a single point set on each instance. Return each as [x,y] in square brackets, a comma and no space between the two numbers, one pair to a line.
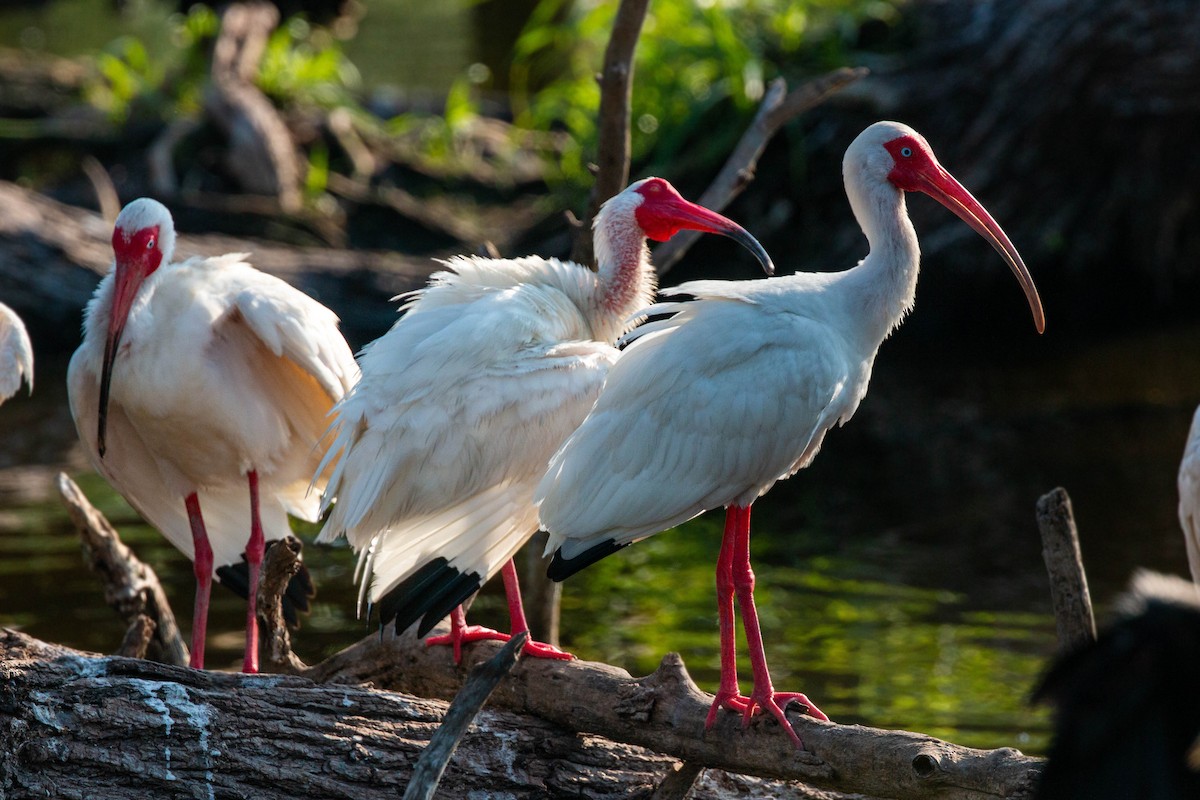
[1073,122]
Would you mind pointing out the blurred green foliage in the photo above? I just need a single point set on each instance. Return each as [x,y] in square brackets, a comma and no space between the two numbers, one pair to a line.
[700,69]
[695,62]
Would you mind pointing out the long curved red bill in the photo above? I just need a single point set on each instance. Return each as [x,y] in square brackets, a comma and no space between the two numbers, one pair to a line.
[943,187]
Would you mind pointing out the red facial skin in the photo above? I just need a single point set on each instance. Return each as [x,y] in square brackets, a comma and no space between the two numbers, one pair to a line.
[664,213]
[917,170]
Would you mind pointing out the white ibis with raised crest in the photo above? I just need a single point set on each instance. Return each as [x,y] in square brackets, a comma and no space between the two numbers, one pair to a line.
[16,354]
[201,391]
[726,395]
[462,403]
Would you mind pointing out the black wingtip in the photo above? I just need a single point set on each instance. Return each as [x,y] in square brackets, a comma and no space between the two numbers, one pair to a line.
[300,589]
[429,594]
[562,568]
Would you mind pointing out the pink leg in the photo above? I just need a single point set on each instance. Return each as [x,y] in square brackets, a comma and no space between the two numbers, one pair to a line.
[763,694]
[254,557]
[202,565]
[460,632]
[728,693]
[517,622]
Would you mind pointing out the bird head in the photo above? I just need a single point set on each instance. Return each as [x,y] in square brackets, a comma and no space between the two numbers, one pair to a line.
[661,212]
[143,239]
[893,152]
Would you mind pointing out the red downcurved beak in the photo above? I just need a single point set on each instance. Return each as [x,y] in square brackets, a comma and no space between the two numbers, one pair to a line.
[943,187]
[129,274]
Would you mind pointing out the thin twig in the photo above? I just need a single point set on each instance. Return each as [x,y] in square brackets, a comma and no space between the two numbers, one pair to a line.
[616,99]
[777,109]
[679,781]
[130,586]
[1064,561]
[475,692]
[280,565]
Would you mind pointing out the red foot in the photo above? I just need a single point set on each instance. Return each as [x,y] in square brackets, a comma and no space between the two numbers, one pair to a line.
[774,702]
[475,633]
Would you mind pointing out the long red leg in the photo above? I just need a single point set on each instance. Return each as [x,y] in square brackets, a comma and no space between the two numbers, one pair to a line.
[518,623]
[460,632]
[202,565]
[728,693]
[254,557]
[763,695]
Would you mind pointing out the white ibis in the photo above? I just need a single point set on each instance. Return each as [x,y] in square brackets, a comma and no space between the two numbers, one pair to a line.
[728,394]
[462,403]
[1189,496]
[201,391]
[16,354]
[1127,706]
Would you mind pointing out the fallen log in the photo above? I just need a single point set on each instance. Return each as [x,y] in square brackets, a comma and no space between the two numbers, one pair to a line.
[78,725]
[75,725]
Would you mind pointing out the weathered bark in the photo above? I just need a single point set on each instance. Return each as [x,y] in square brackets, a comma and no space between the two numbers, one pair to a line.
[52,255]
[75,726]
[666,712]
[466,706]
[131,586]
[1064,562]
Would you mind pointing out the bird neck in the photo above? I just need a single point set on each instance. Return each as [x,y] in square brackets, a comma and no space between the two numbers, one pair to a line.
[885,281]
[625,276]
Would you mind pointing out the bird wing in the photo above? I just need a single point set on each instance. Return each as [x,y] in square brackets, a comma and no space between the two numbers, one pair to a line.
[1189,496]
[458,411]
[309,368]
[705,408]
[16,354]
[150,486]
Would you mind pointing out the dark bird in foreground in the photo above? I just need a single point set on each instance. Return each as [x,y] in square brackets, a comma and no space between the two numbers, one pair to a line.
[1128,704]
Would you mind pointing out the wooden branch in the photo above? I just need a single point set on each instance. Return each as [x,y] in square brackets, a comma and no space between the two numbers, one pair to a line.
[475,692]
[616,97]
[280,565]
[665,712]
[679,782]
[261,155]
[1064,561]
[76,725]
[137,637]
[130,586]
[778,108]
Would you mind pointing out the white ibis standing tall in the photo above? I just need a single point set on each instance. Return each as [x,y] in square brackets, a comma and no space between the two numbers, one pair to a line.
[16,354]
[732,392]
[201,392]
[1189,496]
[462,403]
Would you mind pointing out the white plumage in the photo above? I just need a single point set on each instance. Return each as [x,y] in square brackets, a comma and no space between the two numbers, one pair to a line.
[1189,496]
[219,371]
[16,354]
[728,394]
[464,400]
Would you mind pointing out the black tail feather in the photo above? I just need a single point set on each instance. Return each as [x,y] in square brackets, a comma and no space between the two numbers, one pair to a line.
[296,597]
[429,594]
[561,568]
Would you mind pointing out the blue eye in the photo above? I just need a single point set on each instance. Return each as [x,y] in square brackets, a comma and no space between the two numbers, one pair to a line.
[906,152]
[150,243]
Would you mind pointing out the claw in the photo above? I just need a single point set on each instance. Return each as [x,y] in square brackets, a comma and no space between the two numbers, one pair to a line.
[475,633]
